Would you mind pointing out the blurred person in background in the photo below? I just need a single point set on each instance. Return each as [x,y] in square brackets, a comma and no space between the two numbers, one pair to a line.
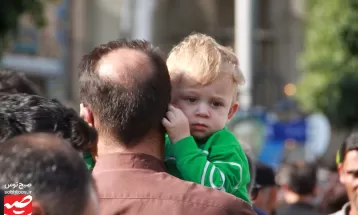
[333,194]
[23,113]
[347,160]
[59,180]
[12,82]
[264,193]
[299,186]
[15,82]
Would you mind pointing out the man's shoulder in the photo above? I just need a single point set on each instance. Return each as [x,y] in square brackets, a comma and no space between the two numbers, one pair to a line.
[193,193]
[209,194]
[164,187]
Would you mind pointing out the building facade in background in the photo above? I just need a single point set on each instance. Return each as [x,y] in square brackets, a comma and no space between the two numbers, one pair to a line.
[43,54]
[277,32]
[51,55]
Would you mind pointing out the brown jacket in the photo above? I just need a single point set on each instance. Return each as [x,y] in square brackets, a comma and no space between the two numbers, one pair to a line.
[135,184]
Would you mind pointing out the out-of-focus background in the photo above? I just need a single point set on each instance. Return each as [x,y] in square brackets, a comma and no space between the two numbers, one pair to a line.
[299,58]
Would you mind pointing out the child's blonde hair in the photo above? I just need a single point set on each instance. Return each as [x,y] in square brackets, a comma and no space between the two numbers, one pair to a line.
[200,58]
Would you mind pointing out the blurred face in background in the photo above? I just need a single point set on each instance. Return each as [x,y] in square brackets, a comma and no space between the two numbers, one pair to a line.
[348,175]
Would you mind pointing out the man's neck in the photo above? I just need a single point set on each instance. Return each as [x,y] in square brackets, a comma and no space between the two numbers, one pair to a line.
[152,144]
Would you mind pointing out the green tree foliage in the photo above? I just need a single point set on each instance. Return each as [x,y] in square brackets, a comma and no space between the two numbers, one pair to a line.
[12,10]
[330,61]
[349,32]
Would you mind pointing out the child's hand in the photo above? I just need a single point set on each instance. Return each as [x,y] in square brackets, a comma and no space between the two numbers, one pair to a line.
[176,124]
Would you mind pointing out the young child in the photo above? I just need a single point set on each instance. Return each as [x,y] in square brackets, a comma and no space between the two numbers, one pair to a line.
[199,148]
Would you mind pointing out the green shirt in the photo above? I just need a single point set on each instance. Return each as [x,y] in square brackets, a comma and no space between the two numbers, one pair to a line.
[219,162]
[88,160]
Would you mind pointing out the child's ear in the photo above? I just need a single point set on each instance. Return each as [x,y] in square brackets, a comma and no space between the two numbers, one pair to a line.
[233,110]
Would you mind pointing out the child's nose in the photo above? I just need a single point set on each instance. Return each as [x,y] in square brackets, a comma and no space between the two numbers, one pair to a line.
[202,110]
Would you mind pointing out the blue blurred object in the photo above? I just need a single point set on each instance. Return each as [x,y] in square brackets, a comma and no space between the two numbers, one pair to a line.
[267,134]
[272,153]
[293,130]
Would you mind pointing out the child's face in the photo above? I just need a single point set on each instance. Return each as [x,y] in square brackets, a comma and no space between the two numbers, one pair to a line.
[208,107]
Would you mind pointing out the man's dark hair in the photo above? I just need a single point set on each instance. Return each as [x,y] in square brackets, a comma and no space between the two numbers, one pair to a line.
[301,178]
[129,111]
[349,144]
[265,175]
[23,113]
[59,179]
[16,82]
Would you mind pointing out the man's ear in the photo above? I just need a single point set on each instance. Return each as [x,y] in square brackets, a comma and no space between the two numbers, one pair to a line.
[86,114]
[37,209]
[233,110]
[341,173]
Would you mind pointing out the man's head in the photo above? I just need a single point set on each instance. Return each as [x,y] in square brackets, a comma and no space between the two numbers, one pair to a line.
[23,113]
[205,78]
[265,189]
[125,90]
[15,82]
[299,181]
[60,182]
[348,167]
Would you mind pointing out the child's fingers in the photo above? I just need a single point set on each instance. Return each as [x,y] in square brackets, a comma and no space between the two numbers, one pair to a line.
[171,108]
[170,116]
[165,122]
[176,111]
[179,114]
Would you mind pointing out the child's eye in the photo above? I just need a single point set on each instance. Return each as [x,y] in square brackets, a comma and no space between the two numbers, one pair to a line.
[217,104]
[191,100]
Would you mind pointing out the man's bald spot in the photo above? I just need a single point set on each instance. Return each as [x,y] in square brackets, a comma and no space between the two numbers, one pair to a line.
[125,66]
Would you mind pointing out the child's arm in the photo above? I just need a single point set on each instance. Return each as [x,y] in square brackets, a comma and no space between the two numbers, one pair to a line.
[225,167]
